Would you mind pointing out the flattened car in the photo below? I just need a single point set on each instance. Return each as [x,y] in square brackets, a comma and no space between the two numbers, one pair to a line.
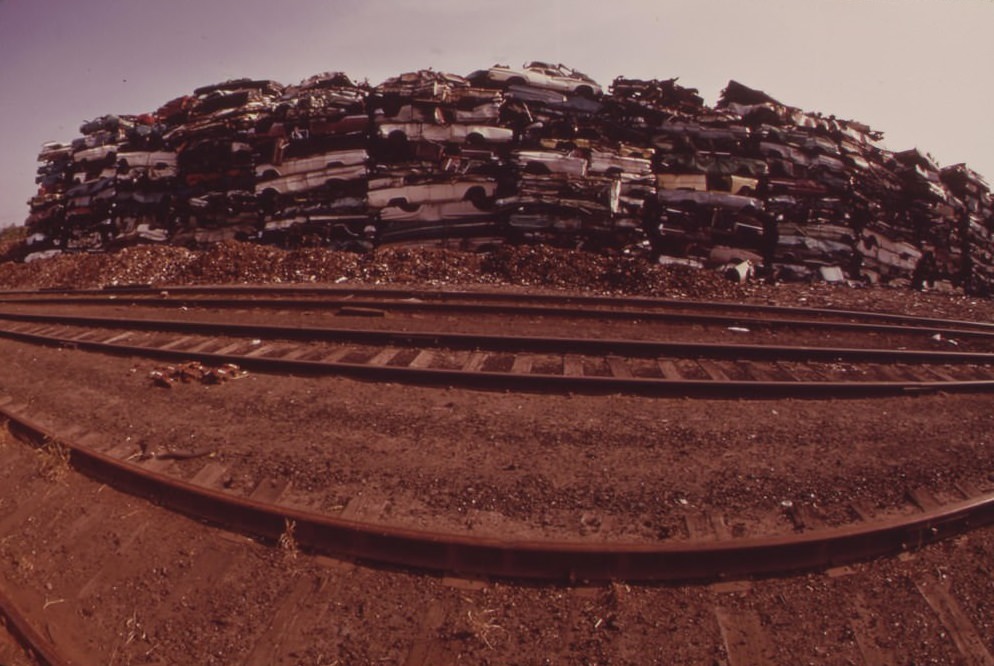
[432,212]
[456,133]
[478,191]
[541,75]
[302,182]
[331,160]
[550,161]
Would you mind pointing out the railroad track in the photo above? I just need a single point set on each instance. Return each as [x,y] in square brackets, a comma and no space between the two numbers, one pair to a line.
[32,642]
[712,555]
[514,362]
[708,552]
[504,304]
[746,614]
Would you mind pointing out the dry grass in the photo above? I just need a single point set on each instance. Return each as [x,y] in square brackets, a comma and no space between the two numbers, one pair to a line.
[24,564]
[482,625]
[53,460]
[288,541]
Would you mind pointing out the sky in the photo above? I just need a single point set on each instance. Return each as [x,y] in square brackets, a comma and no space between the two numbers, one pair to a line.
[917,70]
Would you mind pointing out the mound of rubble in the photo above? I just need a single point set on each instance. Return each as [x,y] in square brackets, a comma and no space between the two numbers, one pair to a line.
[235,262]
[514,156]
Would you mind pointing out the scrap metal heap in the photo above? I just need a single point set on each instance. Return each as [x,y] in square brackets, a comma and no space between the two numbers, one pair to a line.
[505,155]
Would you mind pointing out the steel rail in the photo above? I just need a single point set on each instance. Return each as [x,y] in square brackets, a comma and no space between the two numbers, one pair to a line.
[519,310]
[484,296]
[29,638]
[541,382]
[562,561]
[515,343]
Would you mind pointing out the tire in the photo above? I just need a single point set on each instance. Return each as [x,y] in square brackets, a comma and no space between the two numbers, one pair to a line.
[269,200]
[478,197]
[585,91]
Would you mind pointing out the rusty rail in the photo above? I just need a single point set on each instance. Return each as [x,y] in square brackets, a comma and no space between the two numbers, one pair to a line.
[31,640]
[581,384]
[516,343]
[551,306]
[527,382]
[491,297]
[536,560]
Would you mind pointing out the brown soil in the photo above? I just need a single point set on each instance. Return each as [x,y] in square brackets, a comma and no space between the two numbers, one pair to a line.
[117,580]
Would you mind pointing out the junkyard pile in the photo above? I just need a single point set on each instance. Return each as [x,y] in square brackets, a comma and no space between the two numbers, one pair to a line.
[537,154]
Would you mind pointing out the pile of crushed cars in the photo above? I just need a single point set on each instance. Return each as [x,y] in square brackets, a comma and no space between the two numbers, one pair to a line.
[537,154]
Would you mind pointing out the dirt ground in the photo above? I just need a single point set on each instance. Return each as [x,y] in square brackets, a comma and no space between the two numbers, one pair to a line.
[117,580]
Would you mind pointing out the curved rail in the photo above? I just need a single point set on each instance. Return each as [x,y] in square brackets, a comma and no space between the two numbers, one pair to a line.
[538,560]
[30,639]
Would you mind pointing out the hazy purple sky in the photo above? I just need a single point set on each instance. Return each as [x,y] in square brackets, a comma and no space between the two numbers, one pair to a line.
[919,70]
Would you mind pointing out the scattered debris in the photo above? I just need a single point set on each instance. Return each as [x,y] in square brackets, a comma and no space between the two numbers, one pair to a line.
[351,311]
[145,453]
[740,272]
[195,372]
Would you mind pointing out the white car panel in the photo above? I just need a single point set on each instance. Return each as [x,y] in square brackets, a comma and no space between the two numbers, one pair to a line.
[456,132]
[430,192]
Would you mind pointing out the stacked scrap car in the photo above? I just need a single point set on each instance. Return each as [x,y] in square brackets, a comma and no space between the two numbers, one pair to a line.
[541,75]
[538,153]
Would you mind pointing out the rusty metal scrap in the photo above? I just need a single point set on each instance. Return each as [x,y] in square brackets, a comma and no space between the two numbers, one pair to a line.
[515,155]
[194,372]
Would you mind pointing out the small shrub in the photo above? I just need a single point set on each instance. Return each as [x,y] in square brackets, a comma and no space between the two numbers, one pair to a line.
[288,541]
[53,457]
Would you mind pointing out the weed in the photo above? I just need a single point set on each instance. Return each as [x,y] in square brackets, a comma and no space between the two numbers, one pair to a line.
[53,458]
[288,541]
[483,627]
[24,564]
[134,629]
